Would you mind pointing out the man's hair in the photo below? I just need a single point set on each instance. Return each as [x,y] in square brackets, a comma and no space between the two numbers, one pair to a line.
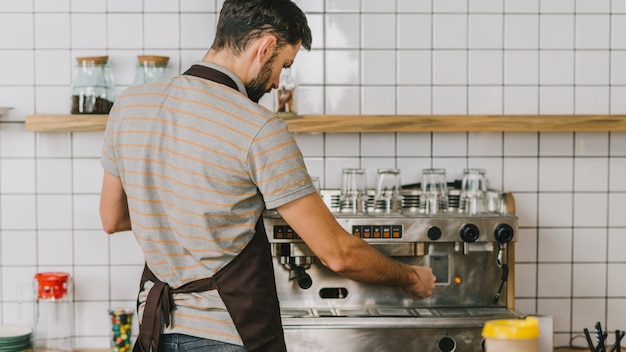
[243,21]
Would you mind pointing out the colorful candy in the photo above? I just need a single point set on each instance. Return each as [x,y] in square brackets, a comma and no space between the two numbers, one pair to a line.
[121,324]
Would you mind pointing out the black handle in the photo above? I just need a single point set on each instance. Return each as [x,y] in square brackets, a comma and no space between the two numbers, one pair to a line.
[304,279]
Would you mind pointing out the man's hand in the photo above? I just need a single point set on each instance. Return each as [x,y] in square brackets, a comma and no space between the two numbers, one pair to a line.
[425,284]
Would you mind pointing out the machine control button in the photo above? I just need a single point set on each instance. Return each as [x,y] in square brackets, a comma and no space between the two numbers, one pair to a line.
[504,233]
[279,232]
[434,233]
[357,230]
[396,231]
[367,231]
[377,231]
[469,233]
[386,231]
[447,344]
[289,233]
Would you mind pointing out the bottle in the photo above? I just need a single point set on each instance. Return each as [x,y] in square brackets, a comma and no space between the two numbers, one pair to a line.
[151,68]
[54,320]
[286,92]
[92,89]
[511,335]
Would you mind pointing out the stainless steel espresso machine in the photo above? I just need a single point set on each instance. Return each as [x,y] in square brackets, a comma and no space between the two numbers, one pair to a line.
[470,254]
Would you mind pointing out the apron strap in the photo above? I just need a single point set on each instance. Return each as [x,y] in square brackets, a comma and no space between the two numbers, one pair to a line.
[211,74]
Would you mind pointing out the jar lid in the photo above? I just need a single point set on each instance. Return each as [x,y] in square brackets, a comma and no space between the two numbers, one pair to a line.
[97,60]
[527,328]
[153,59]
[51,285]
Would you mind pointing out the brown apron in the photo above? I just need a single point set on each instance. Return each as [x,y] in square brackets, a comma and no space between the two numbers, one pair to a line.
[246,285]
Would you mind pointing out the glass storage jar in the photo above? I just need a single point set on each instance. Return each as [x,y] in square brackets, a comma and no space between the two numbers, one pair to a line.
[151,68]
[92,89]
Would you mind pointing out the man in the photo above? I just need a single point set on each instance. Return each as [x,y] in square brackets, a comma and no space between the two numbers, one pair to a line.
[190,164]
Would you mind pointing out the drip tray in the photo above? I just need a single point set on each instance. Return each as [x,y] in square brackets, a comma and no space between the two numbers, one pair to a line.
[398,312]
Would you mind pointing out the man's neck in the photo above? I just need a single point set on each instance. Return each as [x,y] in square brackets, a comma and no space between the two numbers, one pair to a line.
[236,64]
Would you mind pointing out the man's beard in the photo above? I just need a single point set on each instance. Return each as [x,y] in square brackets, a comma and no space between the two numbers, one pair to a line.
[258,86]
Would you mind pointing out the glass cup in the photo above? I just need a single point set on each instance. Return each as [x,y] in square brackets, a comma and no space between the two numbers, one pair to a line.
[121,329]
[387,197]
[434,191]
[353,195]
[473,191]
[316,182]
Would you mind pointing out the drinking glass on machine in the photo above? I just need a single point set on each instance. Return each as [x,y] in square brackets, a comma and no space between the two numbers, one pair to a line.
[473,189]
[353,197]
[387,197]
[434,191]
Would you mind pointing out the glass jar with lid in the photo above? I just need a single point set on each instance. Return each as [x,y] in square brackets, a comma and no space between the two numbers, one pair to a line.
[92,88]
[151,68]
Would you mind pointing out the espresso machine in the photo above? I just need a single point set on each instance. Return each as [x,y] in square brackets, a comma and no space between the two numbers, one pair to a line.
[472,256]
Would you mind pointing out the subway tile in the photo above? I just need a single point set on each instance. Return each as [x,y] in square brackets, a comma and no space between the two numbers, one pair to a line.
[450,6]
[378,100]
[556,67]
[378,6]
[414,31]
[591,144]
[342,31]
[555,245]
[377,31]
[526,246]
[617,143]
[124,5]
[53,100]
[590,245]
[617,69]
[486,6]
[556,100]
[592,32]
[333,170]
[411,169]
[378,67]
[521,100]
[55,248]
[161,6]
[21,28]
[449,31]
[91,247]
[92,342]
[554,280]
[557,6]
[12,59]
[86,215]
[18,212]
[15,280]
[617,174]
[616,312]
[528,6]
[593,6]
[525,305]
[342,100]
[342,67]
[557,31]
[16,6]
[586,312]
[318,32]
[617,204]
[485,31]
[526,208]
[87,6]
[592,67]
[54,212]
[124,249]
[125,30]
[618,104]
[484,144]
[310,100]
[485,100]
[124,65]
[26,241]
[616,245]
[52,67]
[493,170]
[371,166]
[92,318]
[315,166]
[592,100]
[209,6]
[413,100]
[413,67]
[307,6]
[616,283]
[413,144]
[521,67]
[520,174]
[589,280]
[91,283]
[53,144]
[521,31]
[378,144]
[124,281]
[449,144]
[591,174]
[161,31]
[618,28]
[525,280]
[87,176]
[87,144]
[342,144]
[16,142]
[556,144]
[343,5]
[17,176]
[485,67]
[88,31]
[520,144]
[556,174]
[555,209]
[618,6]
[308,68]
[193,23]
[414,5]
[454,166]
[449,100]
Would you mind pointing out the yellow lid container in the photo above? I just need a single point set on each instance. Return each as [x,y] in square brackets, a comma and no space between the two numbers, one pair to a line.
[513,329]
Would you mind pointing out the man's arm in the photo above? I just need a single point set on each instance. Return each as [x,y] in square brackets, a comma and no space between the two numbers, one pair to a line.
[349,255]
[113,205]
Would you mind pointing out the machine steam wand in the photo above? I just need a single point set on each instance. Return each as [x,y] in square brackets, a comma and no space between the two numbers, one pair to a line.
[503,234]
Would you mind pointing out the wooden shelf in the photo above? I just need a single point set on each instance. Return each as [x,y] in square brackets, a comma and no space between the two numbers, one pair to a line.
[382,123]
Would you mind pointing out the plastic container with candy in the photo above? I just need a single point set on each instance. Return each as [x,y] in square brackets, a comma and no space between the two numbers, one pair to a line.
[121,329]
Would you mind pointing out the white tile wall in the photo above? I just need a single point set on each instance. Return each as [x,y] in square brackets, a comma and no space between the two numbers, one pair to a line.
[368,57]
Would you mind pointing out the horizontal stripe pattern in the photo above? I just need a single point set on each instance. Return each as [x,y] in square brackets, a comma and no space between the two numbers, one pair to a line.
[199,163]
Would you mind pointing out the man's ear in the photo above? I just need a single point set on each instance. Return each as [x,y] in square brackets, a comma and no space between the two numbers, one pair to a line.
[265,48]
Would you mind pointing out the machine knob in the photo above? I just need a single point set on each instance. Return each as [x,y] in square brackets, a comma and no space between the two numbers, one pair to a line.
[469,232]
[503,233]
[303,279]
[447,344]
[434,233]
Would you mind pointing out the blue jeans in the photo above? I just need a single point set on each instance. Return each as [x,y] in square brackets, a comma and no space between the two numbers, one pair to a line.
[186,343]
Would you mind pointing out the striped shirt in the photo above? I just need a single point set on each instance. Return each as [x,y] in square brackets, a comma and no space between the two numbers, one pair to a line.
[199,162]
